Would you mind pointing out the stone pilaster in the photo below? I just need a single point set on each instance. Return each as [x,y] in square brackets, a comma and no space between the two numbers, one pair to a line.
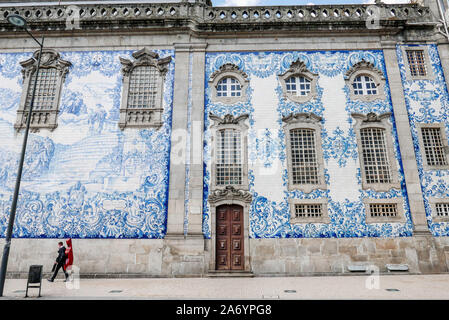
[195,217]
[405,140]
[443,51]
[176,204]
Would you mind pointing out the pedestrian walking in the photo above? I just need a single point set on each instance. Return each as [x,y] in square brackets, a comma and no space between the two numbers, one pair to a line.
[60,262]
[69,256]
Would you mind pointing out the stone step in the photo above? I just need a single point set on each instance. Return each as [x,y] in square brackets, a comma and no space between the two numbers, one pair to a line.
[230,274]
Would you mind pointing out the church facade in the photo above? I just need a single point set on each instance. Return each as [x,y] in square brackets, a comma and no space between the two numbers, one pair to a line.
[183,139]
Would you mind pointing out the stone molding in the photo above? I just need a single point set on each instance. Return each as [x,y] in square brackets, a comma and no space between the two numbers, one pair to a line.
[41,118]
[365,68]
[230,193]
[200,16]
[143,117]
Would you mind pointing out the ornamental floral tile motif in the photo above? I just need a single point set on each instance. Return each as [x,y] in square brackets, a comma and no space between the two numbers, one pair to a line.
[270,218]
[97,181]
[427,102]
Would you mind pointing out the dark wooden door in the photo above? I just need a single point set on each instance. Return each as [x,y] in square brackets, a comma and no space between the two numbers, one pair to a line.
[229,244]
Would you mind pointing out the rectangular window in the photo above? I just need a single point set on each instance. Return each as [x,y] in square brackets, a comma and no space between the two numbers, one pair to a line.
[374,156]
[303,155]
[304,211]
[45,89]
[433,147]
[143,88]
[416,63]
[383,210]
[229,157]
[442,209]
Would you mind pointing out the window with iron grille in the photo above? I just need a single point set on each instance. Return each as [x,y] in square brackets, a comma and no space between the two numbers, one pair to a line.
[299,86]
[229,157]
[304,163]
[45,89]
[309,210]
[364,85]
[374,156]
[229,87]
[433,147]
[143,88]
[416,62]
[49,82]
[383,210]
[442,209]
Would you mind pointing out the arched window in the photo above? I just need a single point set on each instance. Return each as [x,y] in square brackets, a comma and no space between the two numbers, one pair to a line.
[228,84]
[298,86]
[364,85]
[365,82]
[229,87]
[298,83]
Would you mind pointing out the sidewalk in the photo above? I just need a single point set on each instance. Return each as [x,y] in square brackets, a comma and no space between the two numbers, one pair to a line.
[343,287]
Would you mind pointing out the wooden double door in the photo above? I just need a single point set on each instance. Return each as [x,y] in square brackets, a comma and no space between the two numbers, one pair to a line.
[229,238]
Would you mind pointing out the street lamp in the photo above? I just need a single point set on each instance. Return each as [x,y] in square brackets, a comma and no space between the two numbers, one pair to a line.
[20,22]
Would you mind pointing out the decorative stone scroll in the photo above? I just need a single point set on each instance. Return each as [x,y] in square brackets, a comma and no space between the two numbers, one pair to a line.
[230,193]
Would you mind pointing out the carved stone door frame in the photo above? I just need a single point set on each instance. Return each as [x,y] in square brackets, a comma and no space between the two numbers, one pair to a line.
[230,196]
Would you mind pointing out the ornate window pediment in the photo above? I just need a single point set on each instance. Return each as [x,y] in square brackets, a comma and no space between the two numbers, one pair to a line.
[365,82]
[304,152]
[52,73]
[229,84]
[143,85]
[229,193]
[298,83]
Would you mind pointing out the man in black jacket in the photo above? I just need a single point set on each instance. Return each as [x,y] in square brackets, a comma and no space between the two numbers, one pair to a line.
[60,261]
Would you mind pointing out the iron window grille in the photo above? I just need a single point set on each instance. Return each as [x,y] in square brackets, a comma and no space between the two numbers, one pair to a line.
[310,210]
[303,156]
[374,156]
[416,63]
[434,148]
[383,210]
[229,157]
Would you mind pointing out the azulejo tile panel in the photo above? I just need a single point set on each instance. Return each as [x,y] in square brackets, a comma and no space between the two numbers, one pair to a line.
[269,212]
[86,179]
[427,101]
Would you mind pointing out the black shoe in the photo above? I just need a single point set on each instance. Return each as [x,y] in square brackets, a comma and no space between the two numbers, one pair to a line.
[49,280]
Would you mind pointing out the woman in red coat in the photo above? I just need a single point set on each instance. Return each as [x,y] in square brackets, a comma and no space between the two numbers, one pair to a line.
[69,254]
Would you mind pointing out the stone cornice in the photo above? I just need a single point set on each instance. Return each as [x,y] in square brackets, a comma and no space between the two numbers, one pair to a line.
[200,17]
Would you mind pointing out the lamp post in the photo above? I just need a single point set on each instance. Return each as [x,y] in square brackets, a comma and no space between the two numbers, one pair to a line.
[20,22]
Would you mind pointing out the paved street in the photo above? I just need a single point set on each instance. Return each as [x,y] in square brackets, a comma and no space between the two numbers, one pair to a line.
[343,287]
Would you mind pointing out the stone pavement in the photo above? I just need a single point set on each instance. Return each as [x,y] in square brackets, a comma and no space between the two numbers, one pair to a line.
[322,288]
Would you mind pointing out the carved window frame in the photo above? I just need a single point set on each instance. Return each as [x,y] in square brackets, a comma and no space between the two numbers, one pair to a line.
[429,72]
[143,117]
[236,123]
[372,120]
[364,68]
[305,121]
[323,219]
[299,69]
[433,201]
[229,70]
[41,118]
[442,127]
[400,217]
